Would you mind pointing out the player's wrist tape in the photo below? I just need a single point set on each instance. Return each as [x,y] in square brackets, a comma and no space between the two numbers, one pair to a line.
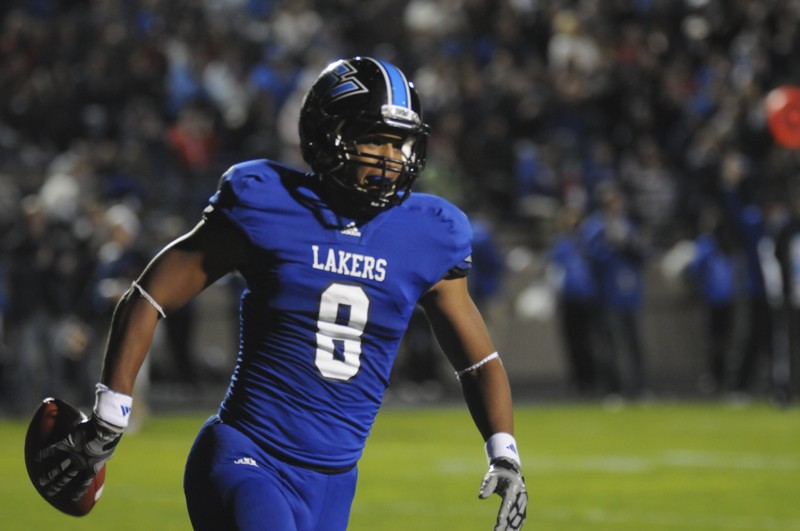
[502,445]
[475,367]
[112,408]
[149,299]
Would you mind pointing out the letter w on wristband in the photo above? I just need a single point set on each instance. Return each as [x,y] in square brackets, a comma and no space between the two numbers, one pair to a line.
[112,408]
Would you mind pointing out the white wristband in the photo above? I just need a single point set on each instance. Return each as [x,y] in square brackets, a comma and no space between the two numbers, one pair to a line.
[112,408]
[502,445]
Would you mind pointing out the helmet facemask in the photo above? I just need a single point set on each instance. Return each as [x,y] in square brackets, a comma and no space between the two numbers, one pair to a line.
[389,180]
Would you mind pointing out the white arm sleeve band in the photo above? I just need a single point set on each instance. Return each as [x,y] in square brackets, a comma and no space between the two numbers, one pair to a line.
[113,408]
[502,445]
[149,299]
[478,365]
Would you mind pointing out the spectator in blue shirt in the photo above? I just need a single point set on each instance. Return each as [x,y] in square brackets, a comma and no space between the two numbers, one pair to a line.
[617,251]
[569,271]
[755,233]
[712,273]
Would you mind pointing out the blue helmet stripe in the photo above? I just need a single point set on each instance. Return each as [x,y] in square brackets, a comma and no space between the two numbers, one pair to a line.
[397,87]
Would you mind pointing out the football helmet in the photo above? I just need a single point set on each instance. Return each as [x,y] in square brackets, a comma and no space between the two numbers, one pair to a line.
[355,99]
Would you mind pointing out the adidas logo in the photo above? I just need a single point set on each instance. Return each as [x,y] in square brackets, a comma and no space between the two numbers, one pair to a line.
[512,447]
[351,230]
[246,461]
[126,410]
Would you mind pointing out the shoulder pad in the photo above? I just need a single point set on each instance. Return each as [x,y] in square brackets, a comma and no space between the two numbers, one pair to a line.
[450,225]
[246,183]
[445,212]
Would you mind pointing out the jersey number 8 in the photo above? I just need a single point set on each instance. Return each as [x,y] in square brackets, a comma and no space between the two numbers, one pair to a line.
[343,311]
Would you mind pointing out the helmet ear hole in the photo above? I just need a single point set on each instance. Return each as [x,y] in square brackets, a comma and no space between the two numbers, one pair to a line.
[325,160]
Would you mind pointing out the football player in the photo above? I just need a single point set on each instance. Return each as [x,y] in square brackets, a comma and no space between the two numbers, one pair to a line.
[335,262]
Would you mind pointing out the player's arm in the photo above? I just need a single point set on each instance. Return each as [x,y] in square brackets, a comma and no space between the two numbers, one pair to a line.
[176,275]
[462,333]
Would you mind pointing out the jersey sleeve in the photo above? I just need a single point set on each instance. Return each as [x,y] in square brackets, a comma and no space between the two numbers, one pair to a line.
[462,247]
[244,183]
[244,190]
[453,234]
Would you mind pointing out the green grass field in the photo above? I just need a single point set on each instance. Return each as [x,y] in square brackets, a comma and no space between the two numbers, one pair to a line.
[641,467]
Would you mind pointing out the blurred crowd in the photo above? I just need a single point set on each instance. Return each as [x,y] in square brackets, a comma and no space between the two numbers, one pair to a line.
[117,118]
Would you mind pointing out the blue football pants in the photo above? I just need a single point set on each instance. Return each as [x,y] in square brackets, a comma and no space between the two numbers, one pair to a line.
[231,484]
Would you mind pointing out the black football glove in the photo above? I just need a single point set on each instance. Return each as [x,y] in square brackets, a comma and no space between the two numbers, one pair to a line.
[505,478]
[78,457]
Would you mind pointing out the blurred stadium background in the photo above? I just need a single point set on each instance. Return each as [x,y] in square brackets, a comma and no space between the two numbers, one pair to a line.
[117,117]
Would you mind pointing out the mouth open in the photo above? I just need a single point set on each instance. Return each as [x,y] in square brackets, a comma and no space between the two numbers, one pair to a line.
[378,185]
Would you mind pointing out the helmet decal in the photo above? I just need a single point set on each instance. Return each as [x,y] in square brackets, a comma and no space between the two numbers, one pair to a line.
[344,81]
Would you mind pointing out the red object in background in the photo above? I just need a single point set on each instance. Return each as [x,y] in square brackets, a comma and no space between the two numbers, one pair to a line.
[783,115]
[50,423]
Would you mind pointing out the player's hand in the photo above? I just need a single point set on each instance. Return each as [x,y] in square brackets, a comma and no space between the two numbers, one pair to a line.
[505,478]
[78,457]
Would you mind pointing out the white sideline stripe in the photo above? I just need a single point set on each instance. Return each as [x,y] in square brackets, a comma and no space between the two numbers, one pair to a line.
[627,464]
[708,522]
[675,459]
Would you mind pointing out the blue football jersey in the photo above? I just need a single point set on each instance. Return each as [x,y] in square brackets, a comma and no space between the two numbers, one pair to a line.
[325,307]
